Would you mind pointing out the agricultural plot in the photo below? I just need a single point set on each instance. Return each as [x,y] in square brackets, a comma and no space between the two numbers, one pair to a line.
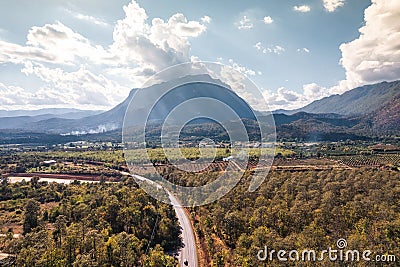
[378,160]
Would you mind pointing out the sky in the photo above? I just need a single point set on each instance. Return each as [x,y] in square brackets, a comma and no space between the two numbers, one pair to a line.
[90,54]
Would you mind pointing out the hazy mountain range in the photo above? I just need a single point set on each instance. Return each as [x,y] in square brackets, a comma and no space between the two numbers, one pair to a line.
[364,112]
[67,113]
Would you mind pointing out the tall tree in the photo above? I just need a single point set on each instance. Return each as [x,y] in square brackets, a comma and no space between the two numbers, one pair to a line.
[32,212]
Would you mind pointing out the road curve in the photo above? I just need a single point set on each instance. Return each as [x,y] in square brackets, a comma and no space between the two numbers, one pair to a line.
[189,251]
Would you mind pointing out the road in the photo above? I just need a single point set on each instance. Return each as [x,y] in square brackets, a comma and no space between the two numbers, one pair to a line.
[189,251]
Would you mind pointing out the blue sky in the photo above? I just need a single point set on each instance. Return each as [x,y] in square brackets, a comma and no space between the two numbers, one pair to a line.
[89,54]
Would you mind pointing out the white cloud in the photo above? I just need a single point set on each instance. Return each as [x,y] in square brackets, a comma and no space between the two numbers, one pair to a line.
[268,20]
[97,88]
[87,18]
[10,95]
[283,98]
[259,46]
[288,95]
[277,49]
[242,69]
[206,19]
[313,91]
[302,8]
[332,5]
[375,55]
[244,23]
[66,61]
[156,45]
[288,99]
[304,49]
[53,43]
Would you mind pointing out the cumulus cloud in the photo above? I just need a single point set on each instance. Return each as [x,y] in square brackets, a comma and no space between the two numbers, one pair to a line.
[268,20]
[244,23]
[283,98]
[289,99]
[10,95]
[277,49]
[375,55]
[78,72]
[313,91]
[97,88]
[156,45]
[302,8]
[19,98]
[52,43]
[332,5]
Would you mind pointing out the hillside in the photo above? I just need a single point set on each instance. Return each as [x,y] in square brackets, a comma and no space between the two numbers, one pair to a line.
[387,119]
[359,101]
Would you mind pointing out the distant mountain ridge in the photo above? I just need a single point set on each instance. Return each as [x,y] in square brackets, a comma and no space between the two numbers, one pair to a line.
[359,101]
[70,113]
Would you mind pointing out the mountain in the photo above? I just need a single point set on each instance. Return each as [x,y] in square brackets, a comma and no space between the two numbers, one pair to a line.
[359,101]
[387,118]
[113,119]
[361,113]
[67,113]
[20,122]
[99,123]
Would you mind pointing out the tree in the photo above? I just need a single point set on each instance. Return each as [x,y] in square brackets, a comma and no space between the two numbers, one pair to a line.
[35,182]
[157,258]
[32,212]
[60,229]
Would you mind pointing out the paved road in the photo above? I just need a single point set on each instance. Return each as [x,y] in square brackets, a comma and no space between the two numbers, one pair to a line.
[189,251]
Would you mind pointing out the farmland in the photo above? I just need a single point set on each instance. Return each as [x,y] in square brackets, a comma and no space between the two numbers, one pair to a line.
[378,160]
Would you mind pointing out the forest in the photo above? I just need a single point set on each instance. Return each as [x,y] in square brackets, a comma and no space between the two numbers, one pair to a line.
[302,210]
[96,224]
